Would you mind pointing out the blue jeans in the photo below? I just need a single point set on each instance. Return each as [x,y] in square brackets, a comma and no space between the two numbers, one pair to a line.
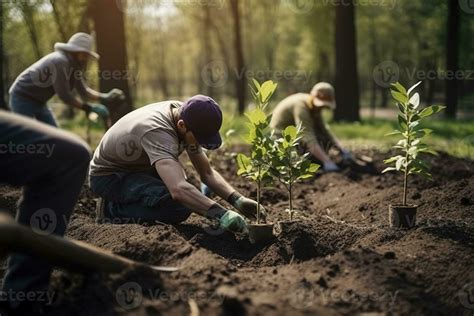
[52,173]
[34,109]
[137,197]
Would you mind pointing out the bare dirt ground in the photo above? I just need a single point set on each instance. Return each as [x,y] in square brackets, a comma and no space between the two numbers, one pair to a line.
[342,258]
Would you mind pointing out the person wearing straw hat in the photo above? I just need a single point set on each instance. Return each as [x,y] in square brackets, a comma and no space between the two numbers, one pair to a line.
[59,73]
[306,109]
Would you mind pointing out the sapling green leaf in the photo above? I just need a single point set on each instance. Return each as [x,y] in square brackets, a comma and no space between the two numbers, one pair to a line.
[411,145]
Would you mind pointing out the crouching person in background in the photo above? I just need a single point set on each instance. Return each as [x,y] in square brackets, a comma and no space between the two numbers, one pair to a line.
[306,109]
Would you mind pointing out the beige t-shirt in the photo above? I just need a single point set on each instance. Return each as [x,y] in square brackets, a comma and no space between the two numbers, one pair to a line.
[138,140]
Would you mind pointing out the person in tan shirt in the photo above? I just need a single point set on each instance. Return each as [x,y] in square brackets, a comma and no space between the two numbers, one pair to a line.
[137,173]
[306,109]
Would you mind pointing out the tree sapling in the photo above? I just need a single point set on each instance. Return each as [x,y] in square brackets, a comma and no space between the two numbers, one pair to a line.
[411,146]
[255,166]
[287,165]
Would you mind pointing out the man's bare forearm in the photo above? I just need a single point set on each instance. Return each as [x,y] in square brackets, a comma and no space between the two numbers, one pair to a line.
[218,185]
[190,197]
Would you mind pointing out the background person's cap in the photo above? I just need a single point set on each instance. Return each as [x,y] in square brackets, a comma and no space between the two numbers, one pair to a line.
[324,95]
[203,117]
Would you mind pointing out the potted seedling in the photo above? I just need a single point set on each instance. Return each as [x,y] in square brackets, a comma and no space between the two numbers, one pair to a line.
[255,167]
[289,167]
[411,147]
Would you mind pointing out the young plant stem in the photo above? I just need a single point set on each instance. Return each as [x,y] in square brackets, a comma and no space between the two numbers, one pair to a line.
[405,184]
[258,195]
[290,190]
[405,181]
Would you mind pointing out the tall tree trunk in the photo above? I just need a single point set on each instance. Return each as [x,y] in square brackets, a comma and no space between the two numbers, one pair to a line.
[347,81]
[239,57]
[207,48]
[452,57]
[374,57]
[57,19]
[162,66]
[28,13]
[110,33]
[83,25]
[68,112]
[3,103]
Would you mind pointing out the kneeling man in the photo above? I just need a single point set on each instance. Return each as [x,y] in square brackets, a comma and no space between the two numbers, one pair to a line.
[136,170]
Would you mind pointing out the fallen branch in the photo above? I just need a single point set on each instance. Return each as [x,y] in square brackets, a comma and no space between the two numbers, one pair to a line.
[63,252]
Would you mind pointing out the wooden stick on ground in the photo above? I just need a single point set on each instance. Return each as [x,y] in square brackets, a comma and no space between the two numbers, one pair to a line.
[62,252]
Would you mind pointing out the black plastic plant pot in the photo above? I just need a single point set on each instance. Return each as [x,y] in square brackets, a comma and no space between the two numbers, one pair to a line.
[402,216]
[260,233]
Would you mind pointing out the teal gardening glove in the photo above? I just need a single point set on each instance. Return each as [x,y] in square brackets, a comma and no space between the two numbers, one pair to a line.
[228,220]
[247,206]
[99,109]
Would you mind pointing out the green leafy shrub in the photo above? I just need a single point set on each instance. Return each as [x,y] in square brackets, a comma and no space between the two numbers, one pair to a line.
[287,165]
[411,146]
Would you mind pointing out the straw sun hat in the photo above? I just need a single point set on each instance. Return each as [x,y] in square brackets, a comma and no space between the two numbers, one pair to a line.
[79,42]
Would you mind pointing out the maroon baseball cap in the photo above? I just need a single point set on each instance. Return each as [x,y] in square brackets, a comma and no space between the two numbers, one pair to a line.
[203,117]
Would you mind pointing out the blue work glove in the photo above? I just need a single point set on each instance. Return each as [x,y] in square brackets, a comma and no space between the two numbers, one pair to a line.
[330,167]
[205,190]
[346,156]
